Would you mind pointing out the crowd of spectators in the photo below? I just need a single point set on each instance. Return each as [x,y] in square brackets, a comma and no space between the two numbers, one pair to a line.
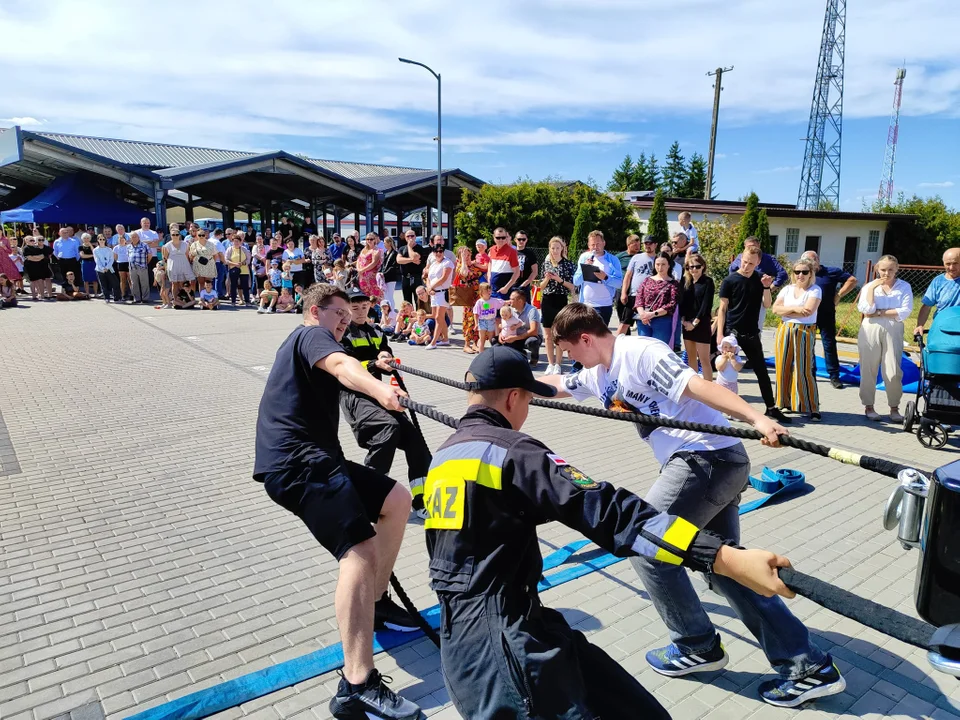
[507,294]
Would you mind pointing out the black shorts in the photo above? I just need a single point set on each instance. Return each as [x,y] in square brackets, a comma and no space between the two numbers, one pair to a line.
[550,305]
[338,500]
[626,311]
[123,267]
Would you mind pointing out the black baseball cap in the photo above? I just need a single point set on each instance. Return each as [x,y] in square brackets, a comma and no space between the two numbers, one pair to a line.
[647,239]
[357,296]
[500,368]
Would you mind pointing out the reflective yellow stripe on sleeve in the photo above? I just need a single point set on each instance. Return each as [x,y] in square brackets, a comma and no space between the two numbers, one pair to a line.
[680,534]
[359,342]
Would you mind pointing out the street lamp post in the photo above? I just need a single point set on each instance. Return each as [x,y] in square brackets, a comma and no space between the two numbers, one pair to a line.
[439,146]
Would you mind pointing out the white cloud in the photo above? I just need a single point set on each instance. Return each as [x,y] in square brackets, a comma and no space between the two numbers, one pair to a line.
[540,137]
[502,63]
[945,184]
[22,121]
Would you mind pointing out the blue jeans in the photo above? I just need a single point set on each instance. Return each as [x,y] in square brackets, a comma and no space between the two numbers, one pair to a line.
[221,280]
[827,325]
[704,487]
[660,328]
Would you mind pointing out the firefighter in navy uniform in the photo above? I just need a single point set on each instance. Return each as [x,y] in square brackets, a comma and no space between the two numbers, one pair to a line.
[378,431]
[504,655]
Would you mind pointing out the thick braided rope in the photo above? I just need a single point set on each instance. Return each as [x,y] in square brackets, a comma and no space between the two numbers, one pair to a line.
[883,619]
[878,465]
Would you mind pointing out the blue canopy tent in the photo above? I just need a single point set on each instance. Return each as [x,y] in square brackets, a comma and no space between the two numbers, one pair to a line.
[76,198]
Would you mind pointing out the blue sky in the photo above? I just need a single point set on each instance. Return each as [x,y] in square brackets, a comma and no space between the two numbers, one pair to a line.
[532,89]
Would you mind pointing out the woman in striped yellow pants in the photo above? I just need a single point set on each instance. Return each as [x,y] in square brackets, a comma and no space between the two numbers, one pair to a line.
[797,306]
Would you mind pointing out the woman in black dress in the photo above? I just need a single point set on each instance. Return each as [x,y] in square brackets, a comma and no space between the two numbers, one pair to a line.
[390,269]
[696,304]
[88,266]
[36,265]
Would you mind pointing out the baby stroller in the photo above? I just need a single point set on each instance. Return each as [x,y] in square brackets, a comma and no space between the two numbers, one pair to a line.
[939,385]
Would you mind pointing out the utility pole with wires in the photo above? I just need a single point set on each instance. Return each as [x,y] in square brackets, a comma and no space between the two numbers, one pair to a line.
[717,87]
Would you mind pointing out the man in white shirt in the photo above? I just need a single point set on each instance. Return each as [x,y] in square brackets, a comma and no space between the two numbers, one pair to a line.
[599,293]
[151,239]
[701,478]
[434,257]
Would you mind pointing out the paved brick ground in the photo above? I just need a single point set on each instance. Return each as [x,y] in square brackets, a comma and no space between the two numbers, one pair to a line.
[140,562]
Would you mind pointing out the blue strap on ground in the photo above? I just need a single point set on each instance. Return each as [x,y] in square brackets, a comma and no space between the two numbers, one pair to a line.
[254,685]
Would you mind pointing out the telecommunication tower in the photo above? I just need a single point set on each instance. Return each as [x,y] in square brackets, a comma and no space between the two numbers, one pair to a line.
[890,156]
[820,179]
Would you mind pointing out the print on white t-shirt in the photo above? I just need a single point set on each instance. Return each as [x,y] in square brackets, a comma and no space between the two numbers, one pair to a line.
[645,376]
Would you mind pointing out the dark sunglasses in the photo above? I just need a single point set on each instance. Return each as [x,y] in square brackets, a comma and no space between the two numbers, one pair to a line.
[801,272]
[438,248]
[694,267]
[500,237]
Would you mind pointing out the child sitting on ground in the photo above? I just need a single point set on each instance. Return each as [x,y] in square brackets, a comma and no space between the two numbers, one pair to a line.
[208,298]
[160,280]
[729,364]
[8,292]
[388,318]
[185,298]
[268,298]
[485,310]
[68,290]
[405,318]
[422,330]
[298,299]
[509,322]
[285,302]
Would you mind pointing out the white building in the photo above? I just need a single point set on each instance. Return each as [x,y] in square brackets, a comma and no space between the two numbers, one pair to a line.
[843,239]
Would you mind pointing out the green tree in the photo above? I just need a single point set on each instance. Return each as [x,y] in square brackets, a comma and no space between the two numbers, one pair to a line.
[718,244]
[657,227]
[920,241]
[641,174]
[654,178]
[674,172]
[582,228]
[543,209]
[763,232]
[623,177]
[695,184]
[748,223]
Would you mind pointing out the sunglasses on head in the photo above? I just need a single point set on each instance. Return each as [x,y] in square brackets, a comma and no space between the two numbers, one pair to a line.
[694,267]
[801,272]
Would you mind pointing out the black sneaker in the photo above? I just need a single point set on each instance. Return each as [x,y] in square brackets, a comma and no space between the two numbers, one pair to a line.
[387,615]
[372,700]
[775,414]
[827,680]
[836,383]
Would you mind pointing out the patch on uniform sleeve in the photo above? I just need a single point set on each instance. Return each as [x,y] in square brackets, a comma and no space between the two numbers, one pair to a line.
[572,381]
[577,478]
[557,460]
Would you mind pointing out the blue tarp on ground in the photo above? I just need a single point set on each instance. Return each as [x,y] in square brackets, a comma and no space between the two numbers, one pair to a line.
[850,375]
[76,198]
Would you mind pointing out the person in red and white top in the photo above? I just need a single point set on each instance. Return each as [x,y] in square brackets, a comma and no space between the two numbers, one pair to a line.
[504,270]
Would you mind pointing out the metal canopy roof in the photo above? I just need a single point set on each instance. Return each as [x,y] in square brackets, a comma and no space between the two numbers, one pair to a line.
[227,177]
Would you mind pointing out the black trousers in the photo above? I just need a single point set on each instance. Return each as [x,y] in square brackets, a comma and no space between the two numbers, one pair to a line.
[110,285]
[409,285]
[380,432]
[504,663]
[753,351]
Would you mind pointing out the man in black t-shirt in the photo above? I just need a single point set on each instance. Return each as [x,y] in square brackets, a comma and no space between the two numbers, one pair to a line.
[412,261]
[742,294]
[356,513]
[529,270]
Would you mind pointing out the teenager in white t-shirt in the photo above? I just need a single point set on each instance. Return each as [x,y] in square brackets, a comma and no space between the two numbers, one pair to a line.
[701,478]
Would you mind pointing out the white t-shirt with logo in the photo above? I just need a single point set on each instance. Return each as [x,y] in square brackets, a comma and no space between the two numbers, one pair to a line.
[645,376]
[641,265]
